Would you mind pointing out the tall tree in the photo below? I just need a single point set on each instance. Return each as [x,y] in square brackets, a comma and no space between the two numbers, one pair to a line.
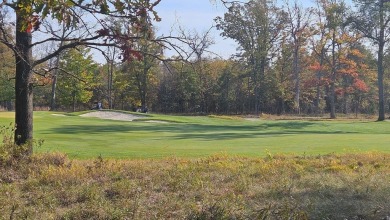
[372,19]
[335,15]
[331,45]
[198,48]
[297,25]
[143,63]
[256,26]
[283,73]
[319,40]
[30,14]
[76,76]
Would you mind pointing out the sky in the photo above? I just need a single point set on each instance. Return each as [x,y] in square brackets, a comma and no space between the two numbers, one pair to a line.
[199,15]
[194,15]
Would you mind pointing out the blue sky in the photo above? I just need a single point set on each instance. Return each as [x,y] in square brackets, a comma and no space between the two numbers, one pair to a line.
[199,15]
[194,15]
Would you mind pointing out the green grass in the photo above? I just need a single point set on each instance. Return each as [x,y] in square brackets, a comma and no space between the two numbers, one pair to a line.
[197,136]
[185,184]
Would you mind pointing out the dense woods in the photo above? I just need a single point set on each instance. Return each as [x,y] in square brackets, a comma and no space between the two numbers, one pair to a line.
[327,58]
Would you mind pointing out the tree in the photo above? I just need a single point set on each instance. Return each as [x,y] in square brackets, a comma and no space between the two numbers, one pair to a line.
[66,31]
[256,26]
[228,87]
[178,89]
[75,84]
[141,70]
[7,67]
[333,44]
[30,14]
[199,44]
[298,22]
[372,19]
[283,73]
[335,16]
[319,48]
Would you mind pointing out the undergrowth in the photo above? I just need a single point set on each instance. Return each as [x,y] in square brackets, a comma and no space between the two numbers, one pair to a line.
[11,153]
[51,186]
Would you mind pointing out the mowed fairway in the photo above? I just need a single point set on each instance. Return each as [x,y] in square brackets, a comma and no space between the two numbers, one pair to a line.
[195,136]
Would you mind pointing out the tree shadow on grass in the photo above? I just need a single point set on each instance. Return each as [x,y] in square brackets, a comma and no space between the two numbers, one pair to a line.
[199,131]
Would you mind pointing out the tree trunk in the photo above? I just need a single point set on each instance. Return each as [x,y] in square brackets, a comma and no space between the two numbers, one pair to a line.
[380,83]
[332,98]
[110,70]
[54,86]
[23,88]
[257,98]
[333,78]
[259,79]
[54,83]
[74,101]
[319,78]
[9,105]
[297,78]
[381,44]
[53,91]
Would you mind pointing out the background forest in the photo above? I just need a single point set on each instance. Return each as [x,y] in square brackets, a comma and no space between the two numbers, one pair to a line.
[290,59]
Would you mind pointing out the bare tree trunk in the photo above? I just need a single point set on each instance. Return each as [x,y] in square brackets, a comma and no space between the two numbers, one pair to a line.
[332,98]
[74,101]
[110,67]
[23,88]
[381,43]
[54,83]
[257,96]
[319,78]
[333,78]
[381,116]
[53,91]
[259,78]
[297,79]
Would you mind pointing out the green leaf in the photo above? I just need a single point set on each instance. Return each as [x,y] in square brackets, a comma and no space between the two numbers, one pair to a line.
[39,8]
[45,11]
[104,8]
[119,6]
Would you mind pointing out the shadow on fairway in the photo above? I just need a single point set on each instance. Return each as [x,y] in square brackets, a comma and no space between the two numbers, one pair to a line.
[199,131]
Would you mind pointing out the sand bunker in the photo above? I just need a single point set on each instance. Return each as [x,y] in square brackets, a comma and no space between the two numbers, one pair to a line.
[61,115]
[112,115]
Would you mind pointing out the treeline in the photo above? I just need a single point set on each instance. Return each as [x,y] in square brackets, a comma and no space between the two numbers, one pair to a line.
[291,60]
[222,87]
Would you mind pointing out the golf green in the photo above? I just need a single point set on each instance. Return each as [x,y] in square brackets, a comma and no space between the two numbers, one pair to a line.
[195,136]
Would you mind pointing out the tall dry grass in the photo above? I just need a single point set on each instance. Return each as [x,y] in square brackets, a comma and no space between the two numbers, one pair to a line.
[51,186]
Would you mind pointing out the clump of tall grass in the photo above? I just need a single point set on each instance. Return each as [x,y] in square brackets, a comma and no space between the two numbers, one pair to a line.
[52,186]
[9,151]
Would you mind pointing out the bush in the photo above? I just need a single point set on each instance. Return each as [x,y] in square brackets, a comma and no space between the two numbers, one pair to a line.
[11,152]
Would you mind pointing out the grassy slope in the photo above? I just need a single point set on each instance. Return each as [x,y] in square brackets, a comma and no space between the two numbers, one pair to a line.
[200,136]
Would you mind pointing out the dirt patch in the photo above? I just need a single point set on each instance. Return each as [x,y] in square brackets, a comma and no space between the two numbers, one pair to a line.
[119,116]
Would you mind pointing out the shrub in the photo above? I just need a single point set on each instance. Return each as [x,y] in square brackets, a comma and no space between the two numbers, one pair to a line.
[10,153]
